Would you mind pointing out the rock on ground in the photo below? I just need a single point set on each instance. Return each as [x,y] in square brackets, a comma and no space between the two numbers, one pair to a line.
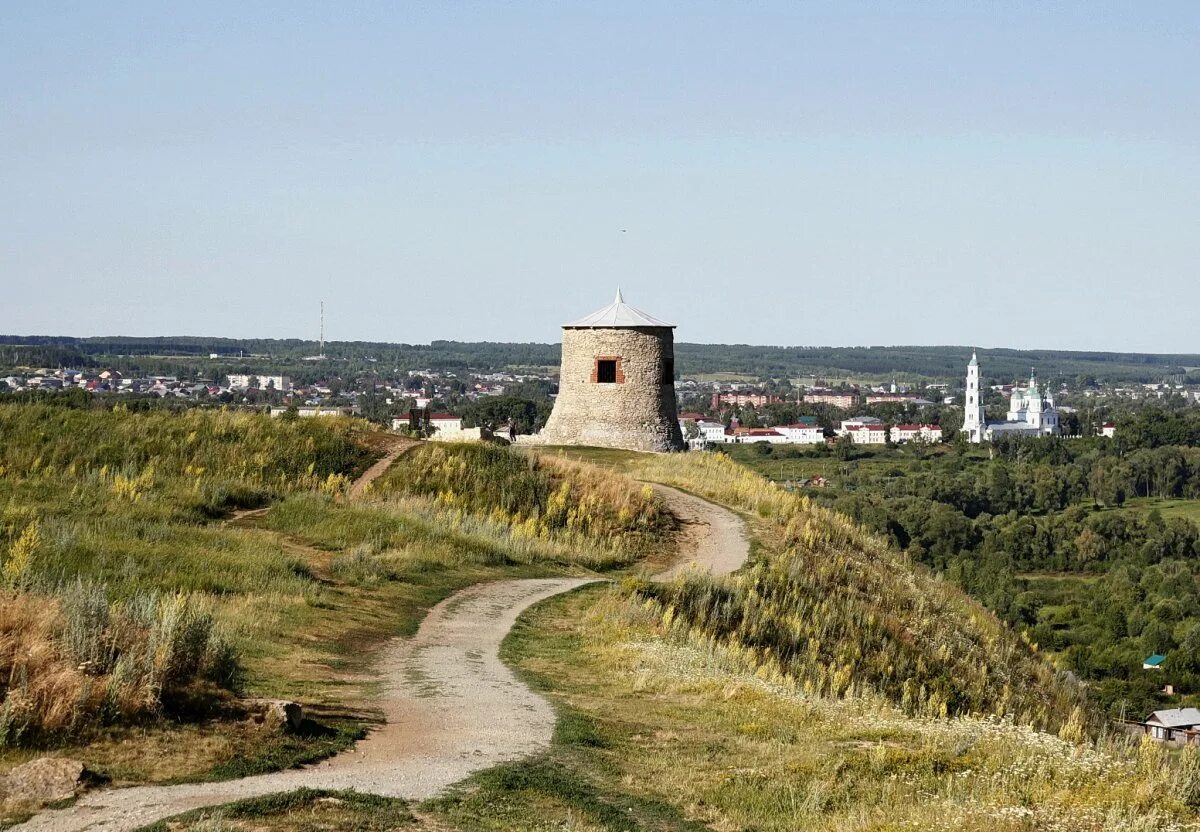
[44,780]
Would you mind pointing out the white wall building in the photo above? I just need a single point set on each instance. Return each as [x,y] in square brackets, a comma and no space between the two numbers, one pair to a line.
[802,433]
[449,428]
[748,436]
[310,412]
[713,432]
[859,422]
[244,382]
[1029,412]
[916,433]
[867,435]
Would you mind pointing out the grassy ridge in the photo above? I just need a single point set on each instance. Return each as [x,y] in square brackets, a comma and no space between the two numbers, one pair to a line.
[833,610]
[538,497]
[240,449]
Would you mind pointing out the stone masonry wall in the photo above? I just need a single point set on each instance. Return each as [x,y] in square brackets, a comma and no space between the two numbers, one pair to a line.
[638,413]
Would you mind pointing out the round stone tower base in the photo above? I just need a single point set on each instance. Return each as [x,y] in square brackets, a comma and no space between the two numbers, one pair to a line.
[616,390]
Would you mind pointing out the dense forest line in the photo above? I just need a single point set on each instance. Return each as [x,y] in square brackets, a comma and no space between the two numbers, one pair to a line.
[189,355]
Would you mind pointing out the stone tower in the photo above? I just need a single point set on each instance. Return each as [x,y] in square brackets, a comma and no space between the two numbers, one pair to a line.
[973,421]
[616,387]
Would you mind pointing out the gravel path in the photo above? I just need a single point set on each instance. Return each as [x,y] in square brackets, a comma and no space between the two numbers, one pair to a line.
[452,708]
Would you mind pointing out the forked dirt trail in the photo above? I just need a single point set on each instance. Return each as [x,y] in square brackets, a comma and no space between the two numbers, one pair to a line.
[452,707]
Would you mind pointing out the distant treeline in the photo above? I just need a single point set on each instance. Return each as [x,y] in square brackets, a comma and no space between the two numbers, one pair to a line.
[182,354]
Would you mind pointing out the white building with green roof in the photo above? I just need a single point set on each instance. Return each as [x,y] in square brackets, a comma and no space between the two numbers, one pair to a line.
[1030,412]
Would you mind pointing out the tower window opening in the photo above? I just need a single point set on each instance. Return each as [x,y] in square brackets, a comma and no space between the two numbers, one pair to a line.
[607,370]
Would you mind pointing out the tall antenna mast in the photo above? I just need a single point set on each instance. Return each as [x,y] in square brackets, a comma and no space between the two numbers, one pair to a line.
[321,351]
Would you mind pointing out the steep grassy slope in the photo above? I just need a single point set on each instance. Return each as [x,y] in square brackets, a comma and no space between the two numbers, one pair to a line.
[829,686]
[662,732]
[832,610]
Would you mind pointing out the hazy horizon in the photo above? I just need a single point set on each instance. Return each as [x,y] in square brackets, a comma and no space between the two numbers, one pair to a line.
[967,349]
[827,174]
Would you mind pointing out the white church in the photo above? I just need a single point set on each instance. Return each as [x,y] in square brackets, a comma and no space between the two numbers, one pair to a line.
[1029,412]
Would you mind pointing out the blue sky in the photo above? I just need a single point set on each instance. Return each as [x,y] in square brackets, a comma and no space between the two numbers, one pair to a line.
[1016,174]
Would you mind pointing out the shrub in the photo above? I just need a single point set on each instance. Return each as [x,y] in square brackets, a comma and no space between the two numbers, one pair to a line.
[75,660]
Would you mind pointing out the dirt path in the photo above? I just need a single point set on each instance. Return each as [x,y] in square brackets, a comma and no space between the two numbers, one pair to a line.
[399,446]
[396,446]
[714,538]
[452,707]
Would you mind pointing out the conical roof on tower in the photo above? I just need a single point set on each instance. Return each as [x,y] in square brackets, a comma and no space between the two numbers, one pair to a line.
[617,314]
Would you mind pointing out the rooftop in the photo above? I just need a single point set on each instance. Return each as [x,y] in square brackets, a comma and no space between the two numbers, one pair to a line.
[1175,717]
[617,314]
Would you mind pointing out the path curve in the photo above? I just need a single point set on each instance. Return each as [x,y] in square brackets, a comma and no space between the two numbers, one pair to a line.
[451,706]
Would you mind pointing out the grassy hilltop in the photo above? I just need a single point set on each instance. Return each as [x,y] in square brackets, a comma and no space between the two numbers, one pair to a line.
[830,685]
[159,567]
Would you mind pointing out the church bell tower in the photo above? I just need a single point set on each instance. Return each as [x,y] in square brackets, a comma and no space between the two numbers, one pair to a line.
[973,423]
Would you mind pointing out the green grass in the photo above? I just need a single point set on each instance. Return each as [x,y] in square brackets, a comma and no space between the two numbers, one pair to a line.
[303,810]
[670,734]
[310,590]
[710,377]
[1187,509]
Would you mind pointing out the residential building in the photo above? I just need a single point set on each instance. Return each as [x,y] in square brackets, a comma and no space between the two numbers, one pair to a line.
[687,420]
[867,434]
[309,412]
[447,422]
[843,400]
[891,398]
[747,436]
[858,422]
[1108,430]
[1173,724]
[743,399]
[916,433]
[713,432]
[246,381]
[802,433]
